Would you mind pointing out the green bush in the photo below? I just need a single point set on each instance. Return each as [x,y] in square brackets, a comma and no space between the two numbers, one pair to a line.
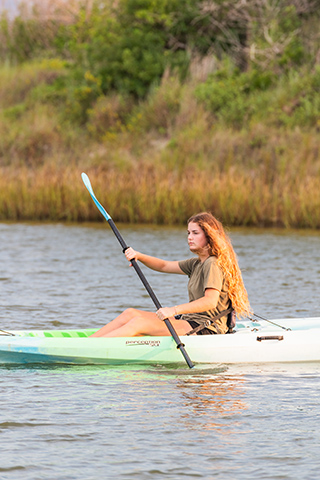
[236,98]
[126,48]
[160,108]
[295,100]
[230,95]
[108,114]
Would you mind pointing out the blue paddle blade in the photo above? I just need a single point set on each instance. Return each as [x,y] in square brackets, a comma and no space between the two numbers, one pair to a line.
[88,186]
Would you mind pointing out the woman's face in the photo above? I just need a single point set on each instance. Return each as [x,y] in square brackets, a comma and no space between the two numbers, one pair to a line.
[197,240]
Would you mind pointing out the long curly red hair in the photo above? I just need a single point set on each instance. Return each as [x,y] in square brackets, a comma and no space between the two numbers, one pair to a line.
[220,246]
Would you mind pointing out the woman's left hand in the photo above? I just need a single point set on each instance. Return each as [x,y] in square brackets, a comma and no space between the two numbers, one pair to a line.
[167,312]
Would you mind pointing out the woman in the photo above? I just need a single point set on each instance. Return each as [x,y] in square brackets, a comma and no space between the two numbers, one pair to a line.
[215,287]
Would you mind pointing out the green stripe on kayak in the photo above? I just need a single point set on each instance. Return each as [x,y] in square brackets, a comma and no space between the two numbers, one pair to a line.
[59,333]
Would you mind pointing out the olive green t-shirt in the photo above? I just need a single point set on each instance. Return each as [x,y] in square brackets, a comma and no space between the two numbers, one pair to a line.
[202,276]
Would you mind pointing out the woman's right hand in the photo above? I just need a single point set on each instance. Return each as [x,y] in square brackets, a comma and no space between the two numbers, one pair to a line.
[130,254]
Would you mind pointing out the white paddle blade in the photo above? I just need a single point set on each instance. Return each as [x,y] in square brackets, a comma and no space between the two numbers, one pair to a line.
[88,186]
[87,183]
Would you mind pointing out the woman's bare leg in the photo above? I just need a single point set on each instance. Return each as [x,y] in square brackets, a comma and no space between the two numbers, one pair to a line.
[118,322]
[146,323]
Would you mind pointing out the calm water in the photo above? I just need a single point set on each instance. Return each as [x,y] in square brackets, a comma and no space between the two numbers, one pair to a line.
[239,422]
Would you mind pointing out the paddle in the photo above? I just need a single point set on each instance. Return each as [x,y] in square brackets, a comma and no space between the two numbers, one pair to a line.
[124,246]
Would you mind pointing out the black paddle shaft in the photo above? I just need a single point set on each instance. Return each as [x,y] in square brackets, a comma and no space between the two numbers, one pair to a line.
[145,282]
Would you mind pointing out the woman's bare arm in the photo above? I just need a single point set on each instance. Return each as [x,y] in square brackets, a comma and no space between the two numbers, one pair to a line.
[208,302]
[154,263]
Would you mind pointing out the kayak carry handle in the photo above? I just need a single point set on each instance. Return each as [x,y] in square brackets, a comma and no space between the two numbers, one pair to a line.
[270,337]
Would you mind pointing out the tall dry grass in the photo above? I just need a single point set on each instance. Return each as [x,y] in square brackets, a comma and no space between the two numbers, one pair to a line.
[156,194]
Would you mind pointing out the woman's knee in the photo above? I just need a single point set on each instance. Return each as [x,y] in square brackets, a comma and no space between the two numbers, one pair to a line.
[130,313]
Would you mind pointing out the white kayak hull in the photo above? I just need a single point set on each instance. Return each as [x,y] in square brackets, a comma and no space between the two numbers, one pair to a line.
[252,343]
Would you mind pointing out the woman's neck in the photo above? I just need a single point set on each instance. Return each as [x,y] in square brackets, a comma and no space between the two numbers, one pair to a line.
[203,256]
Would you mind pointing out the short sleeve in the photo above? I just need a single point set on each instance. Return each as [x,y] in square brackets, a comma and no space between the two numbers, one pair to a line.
[187,266]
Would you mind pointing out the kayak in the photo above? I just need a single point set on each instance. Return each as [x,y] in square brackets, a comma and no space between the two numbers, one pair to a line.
[284,340]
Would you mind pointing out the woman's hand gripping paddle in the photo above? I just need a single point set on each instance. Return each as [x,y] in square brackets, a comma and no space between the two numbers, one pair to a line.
[124,246]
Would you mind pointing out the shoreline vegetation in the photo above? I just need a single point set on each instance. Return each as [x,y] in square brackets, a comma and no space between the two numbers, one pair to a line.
[168,115]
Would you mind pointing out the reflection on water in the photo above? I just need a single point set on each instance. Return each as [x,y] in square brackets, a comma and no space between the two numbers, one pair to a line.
[213,400]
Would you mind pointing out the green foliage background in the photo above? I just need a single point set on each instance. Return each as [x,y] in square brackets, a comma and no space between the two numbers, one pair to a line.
[175,88]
